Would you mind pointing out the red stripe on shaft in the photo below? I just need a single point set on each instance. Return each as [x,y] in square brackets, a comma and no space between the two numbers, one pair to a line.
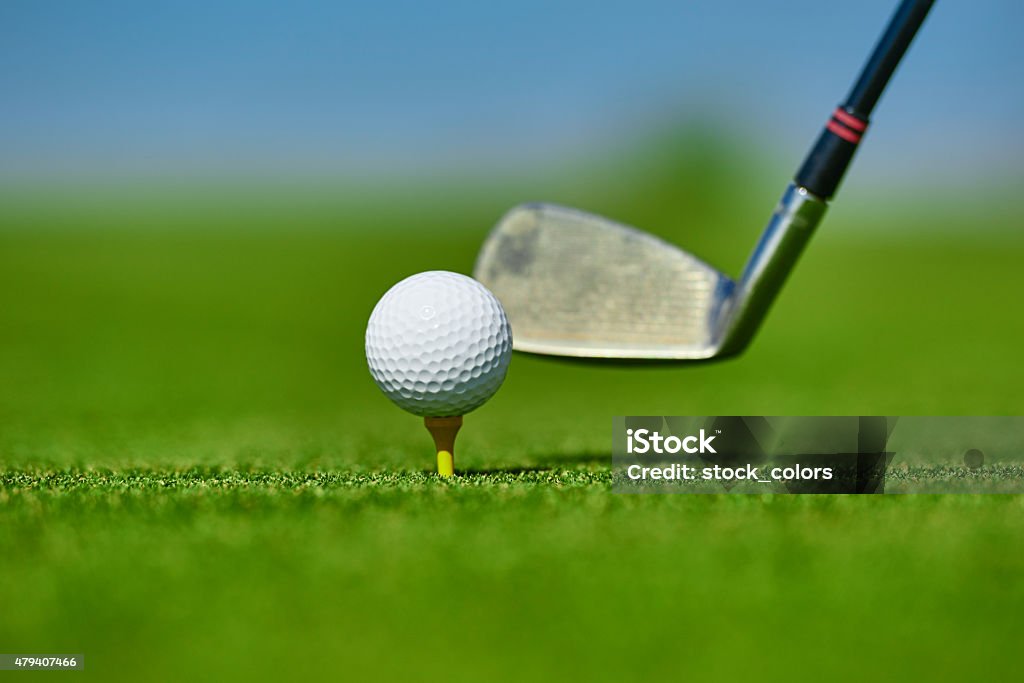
[844,133]
[851,121]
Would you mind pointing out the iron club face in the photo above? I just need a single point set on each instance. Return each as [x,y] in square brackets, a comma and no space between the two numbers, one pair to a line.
[579,285]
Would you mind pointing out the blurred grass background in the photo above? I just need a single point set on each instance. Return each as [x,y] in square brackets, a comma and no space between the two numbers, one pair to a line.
[200,205]
[178,307]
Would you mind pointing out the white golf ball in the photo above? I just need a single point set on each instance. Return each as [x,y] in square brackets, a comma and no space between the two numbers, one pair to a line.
[438,344]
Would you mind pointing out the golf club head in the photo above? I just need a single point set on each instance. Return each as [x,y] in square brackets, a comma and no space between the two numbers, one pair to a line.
[579,285]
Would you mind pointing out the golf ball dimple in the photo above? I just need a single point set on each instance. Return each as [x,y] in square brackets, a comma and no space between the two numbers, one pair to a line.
[438,344]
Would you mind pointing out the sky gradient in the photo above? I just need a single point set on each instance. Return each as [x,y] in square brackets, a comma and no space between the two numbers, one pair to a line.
[121,89]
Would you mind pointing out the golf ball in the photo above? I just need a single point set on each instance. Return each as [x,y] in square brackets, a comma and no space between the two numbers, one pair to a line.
[438,344]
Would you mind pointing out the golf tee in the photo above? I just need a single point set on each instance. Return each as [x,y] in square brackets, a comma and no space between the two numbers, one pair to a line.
[443,430]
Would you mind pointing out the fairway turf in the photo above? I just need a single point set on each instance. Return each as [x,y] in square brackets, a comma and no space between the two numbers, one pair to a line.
[197,473]
[509,575]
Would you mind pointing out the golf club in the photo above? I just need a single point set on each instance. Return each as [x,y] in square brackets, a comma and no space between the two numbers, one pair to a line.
[578,285]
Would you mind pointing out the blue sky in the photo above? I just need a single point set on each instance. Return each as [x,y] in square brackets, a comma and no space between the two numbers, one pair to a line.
[187,87]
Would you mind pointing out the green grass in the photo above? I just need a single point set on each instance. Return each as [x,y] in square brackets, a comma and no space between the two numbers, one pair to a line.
[267,573]
[198,475]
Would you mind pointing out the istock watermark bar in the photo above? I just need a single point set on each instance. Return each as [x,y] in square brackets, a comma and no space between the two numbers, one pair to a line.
[846,454]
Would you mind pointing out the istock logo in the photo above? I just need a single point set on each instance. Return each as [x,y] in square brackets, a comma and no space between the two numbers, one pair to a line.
[642,441]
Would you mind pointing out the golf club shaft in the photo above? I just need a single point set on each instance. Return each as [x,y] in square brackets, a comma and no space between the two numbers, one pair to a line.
[828,160]
[804,203]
